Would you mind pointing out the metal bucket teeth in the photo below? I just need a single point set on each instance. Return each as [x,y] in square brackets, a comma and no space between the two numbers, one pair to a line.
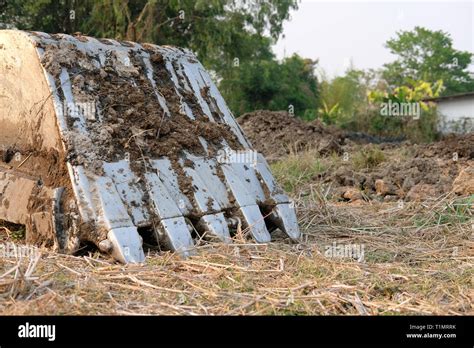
[284,217]
[216,227]
[152,148]
[176,235]
[254,222]
[126,245]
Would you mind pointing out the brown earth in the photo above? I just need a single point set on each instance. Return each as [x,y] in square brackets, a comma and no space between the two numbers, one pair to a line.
[276,134]
[386,171]
[409,172]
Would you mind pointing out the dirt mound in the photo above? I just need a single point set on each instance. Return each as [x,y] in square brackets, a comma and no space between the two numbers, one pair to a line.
[409,172]
[277,133]
[375,168]
[450,146]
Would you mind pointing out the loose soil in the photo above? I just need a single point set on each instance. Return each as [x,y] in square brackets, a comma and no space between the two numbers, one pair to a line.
[276,134]
[406,171]
[384,171]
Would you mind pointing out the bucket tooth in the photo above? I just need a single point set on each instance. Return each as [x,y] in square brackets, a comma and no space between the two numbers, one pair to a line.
[254,222]
[215,226]
[113,213]
[169,179]
[205,169]
[106,210]
[163,203]
[243,191]
[175,234]
[203,197]
[247,191]
[126,245]
[127,184]
[266,178]
[283,216]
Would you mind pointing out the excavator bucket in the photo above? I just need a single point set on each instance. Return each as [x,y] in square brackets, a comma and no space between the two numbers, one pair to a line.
[117,143]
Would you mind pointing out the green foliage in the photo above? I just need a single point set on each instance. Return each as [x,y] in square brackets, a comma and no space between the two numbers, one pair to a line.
[329,115]
[297,169]
[218,31]
[355,94]
[428,55]
[272,85]
[51,16]
[427,66]
[422,130]
[425,129]
[309,115]
[341,97]
[416,93]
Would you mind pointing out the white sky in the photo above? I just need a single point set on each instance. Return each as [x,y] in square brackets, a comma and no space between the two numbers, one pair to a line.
[338,32]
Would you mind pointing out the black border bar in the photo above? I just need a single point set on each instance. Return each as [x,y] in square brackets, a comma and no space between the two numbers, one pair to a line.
[223,331]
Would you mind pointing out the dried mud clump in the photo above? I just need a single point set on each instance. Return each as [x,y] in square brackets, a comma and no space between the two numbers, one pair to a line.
[129,119]
[450,146]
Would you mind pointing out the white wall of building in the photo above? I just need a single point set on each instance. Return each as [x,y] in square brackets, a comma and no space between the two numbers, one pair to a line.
[457,114]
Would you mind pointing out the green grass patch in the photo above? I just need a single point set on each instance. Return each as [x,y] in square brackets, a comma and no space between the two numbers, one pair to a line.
[457,212]
[296,170]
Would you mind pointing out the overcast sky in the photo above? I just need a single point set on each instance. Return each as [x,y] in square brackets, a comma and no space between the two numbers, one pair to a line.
[336,32]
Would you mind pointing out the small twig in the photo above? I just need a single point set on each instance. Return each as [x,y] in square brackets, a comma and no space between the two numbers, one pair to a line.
[23,162]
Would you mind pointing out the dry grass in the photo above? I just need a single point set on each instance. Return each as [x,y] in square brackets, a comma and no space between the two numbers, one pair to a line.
[418,260]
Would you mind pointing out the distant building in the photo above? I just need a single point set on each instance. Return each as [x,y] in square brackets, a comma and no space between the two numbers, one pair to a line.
[456,113]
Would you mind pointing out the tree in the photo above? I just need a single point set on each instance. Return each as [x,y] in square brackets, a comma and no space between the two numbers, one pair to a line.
[51,16]
[231,37]
[342,95]
[269,84]
[428,55]
[218,31]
